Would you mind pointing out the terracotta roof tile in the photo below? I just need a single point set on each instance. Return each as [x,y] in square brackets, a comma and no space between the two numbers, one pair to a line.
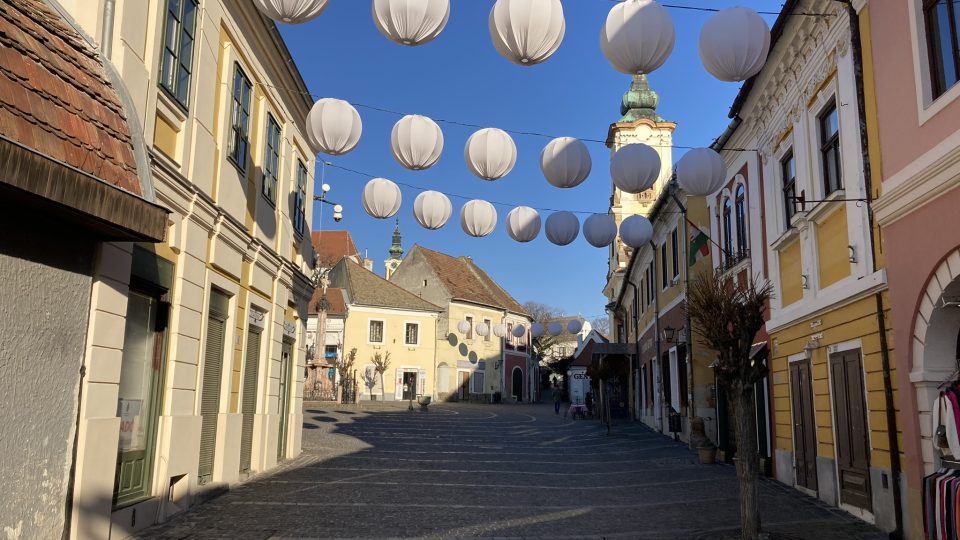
[335,303]
[364,288]
[331,246]
[55,96]
[467,281]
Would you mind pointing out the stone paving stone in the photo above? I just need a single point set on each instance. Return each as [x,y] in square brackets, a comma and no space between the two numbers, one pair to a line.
[507,471]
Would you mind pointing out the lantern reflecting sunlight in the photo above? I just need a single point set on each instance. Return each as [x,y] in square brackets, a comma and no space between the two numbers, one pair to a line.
[335,126]
[701,172]
[291,11]
[411,22]
[565,162]
[523,224]
[636,231]
[416,142]
[635,168]
[734,44]
[478,218]
[432,209]
[483,329]
[490,153]
[464,327]
[381,198]
[527,32]
[637,37]
[500,330]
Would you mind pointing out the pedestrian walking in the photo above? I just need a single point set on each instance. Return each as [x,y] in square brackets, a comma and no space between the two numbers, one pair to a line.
[557,397]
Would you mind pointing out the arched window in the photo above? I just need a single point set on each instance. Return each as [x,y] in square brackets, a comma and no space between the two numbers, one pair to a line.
[741,211]
[727,228]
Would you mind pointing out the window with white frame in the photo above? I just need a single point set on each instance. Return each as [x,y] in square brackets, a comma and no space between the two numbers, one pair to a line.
[489,329]
[942,25]
[300,198]
[675,251]
[411,334]
[176,64]
[788,179]
[376,332]
[239,142]
[829,127]
[469,320]
[740,208]
[271,160]
[727,217]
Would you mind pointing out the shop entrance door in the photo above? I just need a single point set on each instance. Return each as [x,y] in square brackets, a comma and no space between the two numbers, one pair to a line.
[850,416]
[804,428]
[409,385]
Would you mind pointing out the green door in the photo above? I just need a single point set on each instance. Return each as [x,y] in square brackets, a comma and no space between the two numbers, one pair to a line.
[138,396]
[249,398]
[286,356]
[210,391]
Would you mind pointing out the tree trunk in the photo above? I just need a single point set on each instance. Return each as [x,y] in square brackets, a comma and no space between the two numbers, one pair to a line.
[383,389]
[748,466]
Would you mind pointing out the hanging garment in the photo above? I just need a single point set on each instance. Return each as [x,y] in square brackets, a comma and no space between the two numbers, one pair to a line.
[945,422]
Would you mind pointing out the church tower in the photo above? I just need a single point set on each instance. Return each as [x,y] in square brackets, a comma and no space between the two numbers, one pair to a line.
[640,123]
[396,253]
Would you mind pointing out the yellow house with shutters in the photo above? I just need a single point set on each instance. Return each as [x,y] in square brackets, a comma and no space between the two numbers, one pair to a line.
[831,357]
[385,320]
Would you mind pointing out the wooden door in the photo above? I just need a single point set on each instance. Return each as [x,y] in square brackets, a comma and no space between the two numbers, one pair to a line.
[464,385]
[517,383]
[850,418]
[804,427]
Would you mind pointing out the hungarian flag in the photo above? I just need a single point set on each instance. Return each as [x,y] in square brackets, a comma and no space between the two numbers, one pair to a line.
[699,246]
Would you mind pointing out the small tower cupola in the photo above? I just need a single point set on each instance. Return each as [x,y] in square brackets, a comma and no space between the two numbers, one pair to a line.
[640,101]
[396,253]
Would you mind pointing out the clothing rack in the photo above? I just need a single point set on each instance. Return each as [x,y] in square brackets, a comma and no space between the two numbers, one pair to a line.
[950,463]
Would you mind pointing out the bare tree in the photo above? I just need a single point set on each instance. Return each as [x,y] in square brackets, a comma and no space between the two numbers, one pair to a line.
[602,325]
[344,369]
[728,316]
[542,313]
[381,363]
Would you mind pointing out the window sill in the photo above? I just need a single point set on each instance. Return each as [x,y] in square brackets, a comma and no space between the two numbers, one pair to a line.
[824,207]
[170,107]
[790,234]
[241,170]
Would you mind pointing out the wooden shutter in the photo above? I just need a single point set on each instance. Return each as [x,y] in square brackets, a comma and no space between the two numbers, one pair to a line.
[248,404]
[210,396]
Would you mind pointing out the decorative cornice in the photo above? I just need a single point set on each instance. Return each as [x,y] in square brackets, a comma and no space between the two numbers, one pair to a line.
[919,183]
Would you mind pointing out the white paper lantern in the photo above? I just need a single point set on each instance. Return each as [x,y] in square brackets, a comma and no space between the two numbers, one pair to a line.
[527,32]
[335,126]
[478,218]
[555,329]
[490,153]
[411,22]
[500,330]
[635,168]
[599,230]
[432,209]
[483,329]
[701,172]
[463,327]
[574,326]
[565,162]
[291,11]
[636,231]
[519,330]
[536,330]
[562,227]
[637,37]
[734,44]
[381,198]
[416,142]
[523,224]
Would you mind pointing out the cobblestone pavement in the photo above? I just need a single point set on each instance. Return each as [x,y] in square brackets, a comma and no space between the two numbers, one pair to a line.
[509,471]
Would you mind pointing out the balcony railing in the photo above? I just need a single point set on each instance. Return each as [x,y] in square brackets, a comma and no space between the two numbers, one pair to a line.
[733,258]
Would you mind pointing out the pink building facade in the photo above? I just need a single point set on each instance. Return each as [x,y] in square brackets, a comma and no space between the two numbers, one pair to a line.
[916,144]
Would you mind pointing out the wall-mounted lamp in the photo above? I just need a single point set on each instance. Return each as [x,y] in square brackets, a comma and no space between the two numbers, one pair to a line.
[668,334]
[804,281]
[853,253]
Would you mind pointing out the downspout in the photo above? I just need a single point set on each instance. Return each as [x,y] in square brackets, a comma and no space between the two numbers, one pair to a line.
[634,390]
[856,46]
[106,35]
[691,395]
[656,330]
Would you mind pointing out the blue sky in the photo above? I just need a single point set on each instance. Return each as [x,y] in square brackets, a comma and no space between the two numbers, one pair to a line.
[460,77]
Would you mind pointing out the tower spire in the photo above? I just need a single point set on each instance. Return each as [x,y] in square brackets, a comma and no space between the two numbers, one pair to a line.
[396,253]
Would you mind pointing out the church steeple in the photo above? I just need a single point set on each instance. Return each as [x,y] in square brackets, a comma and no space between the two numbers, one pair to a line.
[640,101]
[396,253]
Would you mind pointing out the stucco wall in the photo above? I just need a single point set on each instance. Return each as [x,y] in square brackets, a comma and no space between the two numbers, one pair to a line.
[44,301]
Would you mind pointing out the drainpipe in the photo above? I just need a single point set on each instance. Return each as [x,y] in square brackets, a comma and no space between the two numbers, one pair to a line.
[856,47]
[691,395]
[656,330]
[106,35]
[636,333]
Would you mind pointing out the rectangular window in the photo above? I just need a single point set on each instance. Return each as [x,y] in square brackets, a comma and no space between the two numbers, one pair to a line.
[675,251]
[239,143]
[510,338]
[489,330]
[788,175]
[330,352]
[830,149]
[271,160]
[643,304]
[376,331]
[300,199]
[651,269]
[470,331]
[176,64]
[663,266]
[943,44]
[476,380]
[412,334]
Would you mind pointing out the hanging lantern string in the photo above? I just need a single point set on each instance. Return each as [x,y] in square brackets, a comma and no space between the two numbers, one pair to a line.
[478,126]
[454,195]
[715,10]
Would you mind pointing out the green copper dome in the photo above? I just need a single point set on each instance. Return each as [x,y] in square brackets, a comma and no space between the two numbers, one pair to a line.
[640,101]
[396,250]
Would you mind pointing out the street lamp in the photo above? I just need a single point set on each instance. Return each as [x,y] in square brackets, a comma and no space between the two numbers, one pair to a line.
[324,189]
[668,334]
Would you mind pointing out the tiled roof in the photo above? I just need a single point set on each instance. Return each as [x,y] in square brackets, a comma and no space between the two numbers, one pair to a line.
[335,302]
[585,357]
[364,288]
[331,246]
[55,97]
[467,281]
